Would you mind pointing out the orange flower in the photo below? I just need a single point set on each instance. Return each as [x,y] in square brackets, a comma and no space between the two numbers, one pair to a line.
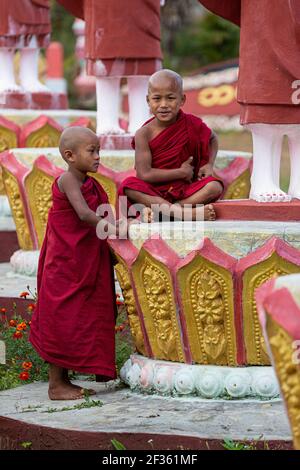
[31,307]
[21,326]
[12,322]
[17,335]
[27,365]
[24,295]
[3,310]
[24,376]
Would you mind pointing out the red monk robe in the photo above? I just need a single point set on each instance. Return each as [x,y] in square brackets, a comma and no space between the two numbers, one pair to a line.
[120,40]
[188,136]
[20,20]
[269,57]
[74,323]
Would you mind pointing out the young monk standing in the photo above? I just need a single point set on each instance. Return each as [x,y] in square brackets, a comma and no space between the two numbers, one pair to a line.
[174,154]
[73,325]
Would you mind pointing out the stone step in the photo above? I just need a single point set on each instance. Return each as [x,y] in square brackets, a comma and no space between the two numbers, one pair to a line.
[248,210]
[139,422]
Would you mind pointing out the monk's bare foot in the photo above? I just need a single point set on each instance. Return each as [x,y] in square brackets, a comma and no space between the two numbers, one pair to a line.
[209,212]
[83,391]
[147,215]
[64,391]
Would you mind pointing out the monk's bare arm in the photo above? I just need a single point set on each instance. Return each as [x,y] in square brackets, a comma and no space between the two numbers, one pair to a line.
[213,148]
[71,187]
[207,169]
[143,163]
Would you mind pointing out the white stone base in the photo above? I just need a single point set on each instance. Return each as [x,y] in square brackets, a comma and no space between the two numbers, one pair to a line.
[25,263]
[4,207]
[205,381]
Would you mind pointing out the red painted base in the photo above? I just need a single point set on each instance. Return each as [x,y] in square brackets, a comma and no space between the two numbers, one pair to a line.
[33,101]
[8,245]
[116,142]
[247,209]
[14,432]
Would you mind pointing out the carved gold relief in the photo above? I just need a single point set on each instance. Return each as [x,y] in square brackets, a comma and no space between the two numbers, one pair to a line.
[253,277]
[207,298]
[18,210]
[2,189]
[8,139]
[133,317]
[288,372]
[38,187]
[154,287]
[46,136]
[108,185]
[240,187]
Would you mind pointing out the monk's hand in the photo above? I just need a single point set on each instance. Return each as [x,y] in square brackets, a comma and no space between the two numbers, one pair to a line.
[205,171]
[187,170]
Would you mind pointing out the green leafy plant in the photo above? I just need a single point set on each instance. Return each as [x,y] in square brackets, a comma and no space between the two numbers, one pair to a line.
[229,444]
[24,365]
[117,444]
[26,444]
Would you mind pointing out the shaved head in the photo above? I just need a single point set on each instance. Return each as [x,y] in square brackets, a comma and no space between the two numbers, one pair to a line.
[163,77]
[73,136]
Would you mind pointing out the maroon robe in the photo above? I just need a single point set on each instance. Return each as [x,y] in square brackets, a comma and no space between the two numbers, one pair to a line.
[188,136]
[269,57]
[22,19]
[120,40]
[73,325]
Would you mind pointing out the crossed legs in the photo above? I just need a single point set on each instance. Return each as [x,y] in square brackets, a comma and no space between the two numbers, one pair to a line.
[201,198]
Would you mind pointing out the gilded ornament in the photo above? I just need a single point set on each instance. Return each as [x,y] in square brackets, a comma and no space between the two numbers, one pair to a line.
[240,187]
[39,190]
[46,136]
[254,277]
[18,210]
[288,372]
[154,287]
[207,296]
[133,317]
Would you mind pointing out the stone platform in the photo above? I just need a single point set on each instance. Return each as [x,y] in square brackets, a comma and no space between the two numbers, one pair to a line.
[11,286]
[37,101]
[248,210]
[63,117]
[139,422]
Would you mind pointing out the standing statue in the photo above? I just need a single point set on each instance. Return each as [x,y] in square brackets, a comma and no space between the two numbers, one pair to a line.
[24,25]
[121,41]
[268,78]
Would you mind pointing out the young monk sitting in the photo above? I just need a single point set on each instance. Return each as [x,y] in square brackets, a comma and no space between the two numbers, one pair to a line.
[174,155]
[73,327]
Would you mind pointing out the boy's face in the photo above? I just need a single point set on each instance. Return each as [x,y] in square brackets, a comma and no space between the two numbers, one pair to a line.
[165,98]
[86,157]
